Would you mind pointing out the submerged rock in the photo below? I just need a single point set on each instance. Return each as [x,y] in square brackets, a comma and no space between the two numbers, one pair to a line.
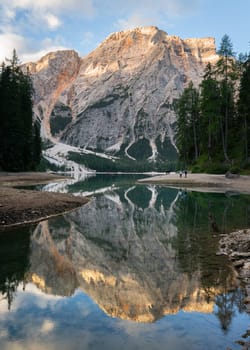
[237,246]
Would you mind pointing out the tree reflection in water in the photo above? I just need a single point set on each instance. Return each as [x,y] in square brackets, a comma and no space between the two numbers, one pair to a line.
[14,261]
[201,218]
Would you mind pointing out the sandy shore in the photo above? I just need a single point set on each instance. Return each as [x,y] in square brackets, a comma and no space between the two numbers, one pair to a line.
[19,207]
[27,179]
[202,182]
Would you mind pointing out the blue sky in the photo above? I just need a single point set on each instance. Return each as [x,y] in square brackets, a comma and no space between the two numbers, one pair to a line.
[35,27]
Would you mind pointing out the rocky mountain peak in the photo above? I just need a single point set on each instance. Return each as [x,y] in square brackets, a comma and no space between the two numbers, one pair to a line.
[134,34]
[119,97]
[203,48]
[54,61]
[51,75]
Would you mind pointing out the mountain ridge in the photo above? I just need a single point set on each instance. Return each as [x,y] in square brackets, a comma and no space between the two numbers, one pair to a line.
[119,97]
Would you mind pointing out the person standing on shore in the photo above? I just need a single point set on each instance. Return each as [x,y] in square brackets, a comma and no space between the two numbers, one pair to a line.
[185,172]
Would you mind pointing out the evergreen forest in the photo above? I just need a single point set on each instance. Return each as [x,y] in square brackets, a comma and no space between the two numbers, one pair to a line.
[213,120]
[20,142]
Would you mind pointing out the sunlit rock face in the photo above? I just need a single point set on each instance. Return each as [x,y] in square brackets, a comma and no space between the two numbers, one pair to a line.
[122,253]
[51,76]
[119,97]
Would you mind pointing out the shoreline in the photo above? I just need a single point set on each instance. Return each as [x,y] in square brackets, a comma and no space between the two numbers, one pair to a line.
[202,182]
[8,179]
[20,207]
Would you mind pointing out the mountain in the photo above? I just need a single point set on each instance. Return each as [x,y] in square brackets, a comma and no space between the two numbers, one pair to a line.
[119,98]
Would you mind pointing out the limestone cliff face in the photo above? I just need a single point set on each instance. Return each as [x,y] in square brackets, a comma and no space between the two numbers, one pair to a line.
[51,75]
[118,98]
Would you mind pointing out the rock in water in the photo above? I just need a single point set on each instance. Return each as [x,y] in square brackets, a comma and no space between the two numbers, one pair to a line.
[237,246]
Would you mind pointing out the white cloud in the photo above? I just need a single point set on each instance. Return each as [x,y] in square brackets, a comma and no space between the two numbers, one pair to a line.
[35,56]
[8,13]
[40,49]
[163,7]
[52,21]
[44,12]
[34,295]
[47,326]
[27,50]
[149,12]
[23,23]
[8,42]
[86,6]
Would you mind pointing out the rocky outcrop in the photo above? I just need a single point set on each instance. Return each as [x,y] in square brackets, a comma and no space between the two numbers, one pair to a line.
[119,97]
[51,76]
[237,246]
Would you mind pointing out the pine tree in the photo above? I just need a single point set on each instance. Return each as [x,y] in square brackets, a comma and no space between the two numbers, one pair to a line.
[210,113]
[37,144]
[27,114]
[16,125]
[226,47]
[10,119]
[226,71]
[213,128]
[187,112]
[244,109]
[4,120]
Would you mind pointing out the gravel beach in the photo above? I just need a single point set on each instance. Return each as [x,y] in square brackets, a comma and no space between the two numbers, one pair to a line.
[20,206]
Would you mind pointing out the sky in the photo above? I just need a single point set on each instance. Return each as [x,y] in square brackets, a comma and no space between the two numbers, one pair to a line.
[35,27]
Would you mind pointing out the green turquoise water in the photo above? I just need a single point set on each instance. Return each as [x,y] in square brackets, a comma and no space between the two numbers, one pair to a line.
[135,268]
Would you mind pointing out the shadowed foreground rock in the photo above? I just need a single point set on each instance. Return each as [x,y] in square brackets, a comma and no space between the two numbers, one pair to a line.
[237,246]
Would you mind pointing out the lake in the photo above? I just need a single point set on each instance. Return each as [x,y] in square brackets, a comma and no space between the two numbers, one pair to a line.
[135,268]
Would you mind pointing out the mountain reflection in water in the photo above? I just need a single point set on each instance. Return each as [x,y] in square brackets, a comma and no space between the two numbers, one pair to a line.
[140,252]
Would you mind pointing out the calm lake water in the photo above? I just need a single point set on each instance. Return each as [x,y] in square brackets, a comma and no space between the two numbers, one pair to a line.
[135,268]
